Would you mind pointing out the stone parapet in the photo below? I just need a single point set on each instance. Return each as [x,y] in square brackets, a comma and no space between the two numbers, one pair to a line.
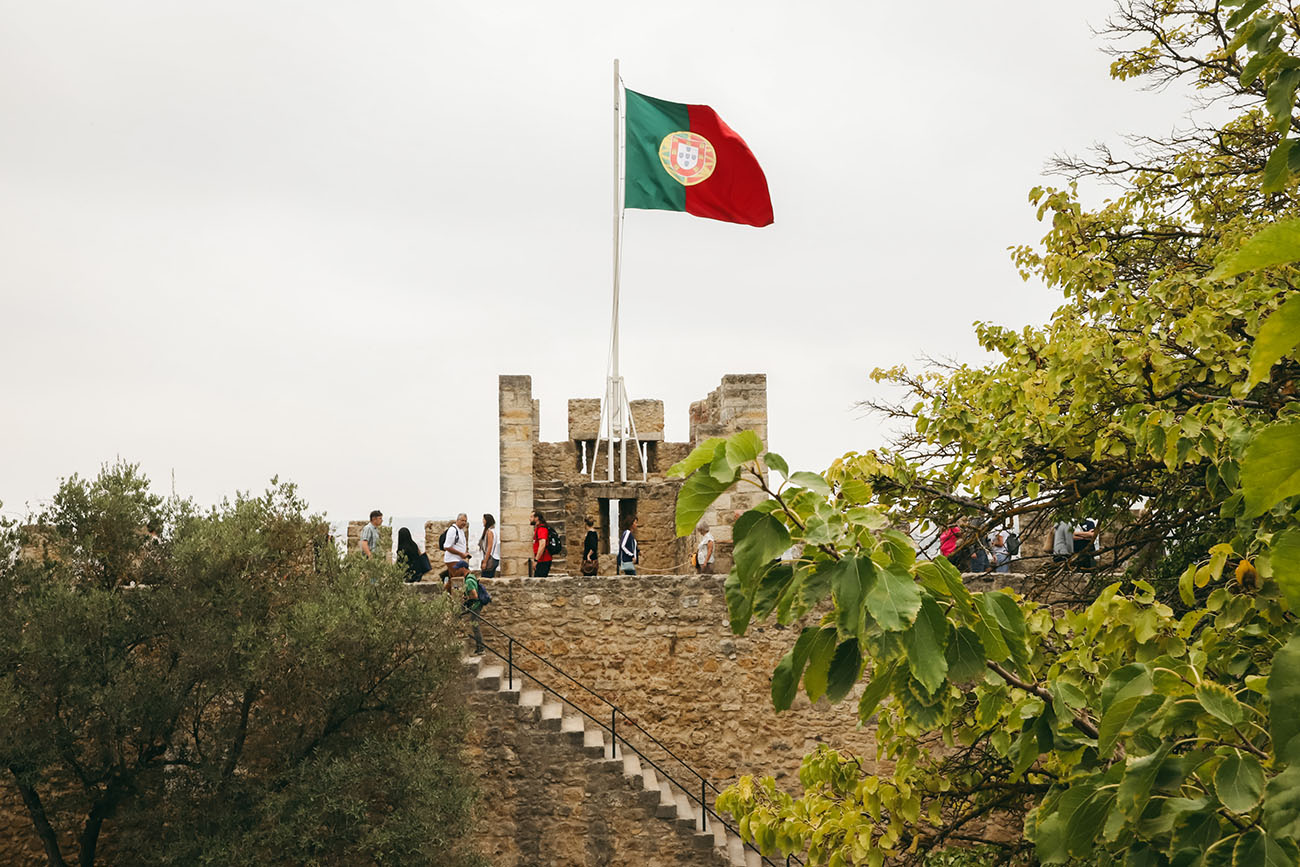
[660,648]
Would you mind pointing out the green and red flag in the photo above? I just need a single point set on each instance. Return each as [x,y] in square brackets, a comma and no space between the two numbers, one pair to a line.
[684,158]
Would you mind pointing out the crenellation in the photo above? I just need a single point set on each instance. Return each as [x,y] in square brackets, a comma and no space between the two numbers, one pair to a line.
[553,473]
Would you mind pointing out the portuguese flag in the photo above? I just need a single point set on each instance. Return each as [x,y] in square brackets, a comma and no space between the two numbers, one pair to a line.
[684,158]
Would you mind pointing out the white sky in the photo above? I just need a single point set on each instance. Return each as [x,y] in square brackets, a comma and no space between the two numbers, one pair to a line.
[241,239]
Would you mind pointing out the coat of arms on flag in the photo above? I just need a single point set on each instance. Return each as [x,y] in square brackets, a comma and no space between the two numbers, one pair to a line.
[687,156]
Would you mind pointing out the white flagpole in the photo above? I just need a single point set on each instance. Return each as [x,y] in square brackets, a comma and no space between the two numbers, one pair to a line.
[613,394]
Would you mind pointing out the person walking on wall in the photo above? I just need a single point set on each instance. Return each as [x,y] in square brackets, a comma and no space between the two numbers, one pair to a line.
[1062,541]
[411,557]
[541,561]
[590,548]
[628,555]
[704,550]
[489,547]
[370,534]
[460,569]
[456,545]
[1001,555]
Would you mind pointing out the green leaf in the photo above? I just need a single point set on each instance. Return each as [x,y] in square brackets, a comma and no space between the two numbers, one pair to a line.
[1280,98]
[989,632]
[877,689]
[1185,590]
[1219,702]
[743,447]
[819,663]
[1277,170]
[1120,695]
[1282,804]
[1270,468]
[785,679]
[893,599]
[1277,244]
[965,655]
[699,456]
[1247,9]
[926,643]
[759,541]
[1285,557]
[1278,336]
[846,666]
[1284,696]
[943,579]
[1135,788]
[1085,810]
[1256,849]
[740,602]
[770,587]
[811,481]
[851,578]
[1239,783]
[817,584]
[720,468]
[776,462]
[695,498]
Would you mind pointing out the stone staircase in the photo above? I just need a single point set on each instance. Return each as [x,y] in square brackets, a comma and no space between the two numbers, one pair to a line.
[659,798]
[548,498]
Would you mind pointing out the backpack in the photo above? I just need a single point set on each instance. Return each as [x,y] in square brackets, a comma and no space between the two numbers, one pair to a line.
[554,544]
[484,597]
[442,539]
[1013,544]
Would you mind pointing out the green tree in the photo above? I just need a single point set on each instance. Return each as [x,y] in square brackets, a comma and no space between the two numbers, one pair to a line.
[218,688]
[1153,722]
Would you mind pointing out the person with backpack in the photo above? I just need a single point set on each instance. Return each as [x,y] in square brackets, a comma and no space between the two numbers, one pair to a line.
[542,542]
[628,556]
[454,542]
[476,596]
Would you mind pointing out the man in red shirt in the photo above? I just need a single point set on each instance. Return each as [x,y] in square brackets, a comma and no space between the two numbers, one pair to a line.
[541,562]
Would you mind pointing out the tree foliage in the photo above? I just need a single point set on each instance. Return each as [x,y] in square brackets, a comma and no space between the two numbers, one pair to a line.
[1154,720]
[218,688]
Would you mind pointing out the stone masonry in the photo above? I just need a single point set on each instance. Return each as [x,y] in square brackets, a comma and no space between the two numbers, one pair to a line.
[660,648]
[550,477]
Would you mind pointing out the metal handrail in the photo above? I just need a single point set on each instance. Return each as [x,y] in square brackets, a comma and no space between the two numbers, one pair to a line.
[615,712]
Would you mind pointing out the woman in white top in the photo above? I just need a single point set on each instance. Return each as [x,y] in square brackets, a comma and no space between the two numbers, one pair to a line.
[704,550]
[489,546]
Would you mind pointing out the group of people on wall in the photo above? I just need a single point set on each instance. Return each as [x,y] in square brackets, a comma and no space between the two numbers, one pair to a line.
[455,546]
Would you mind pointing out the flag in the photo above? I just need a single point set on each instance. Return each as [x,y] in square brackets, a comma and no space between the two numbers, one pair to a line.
[684,158]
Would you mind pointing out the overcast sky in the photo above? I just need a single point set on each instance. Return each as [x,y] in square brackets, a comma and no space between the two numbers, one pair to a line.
[242,239]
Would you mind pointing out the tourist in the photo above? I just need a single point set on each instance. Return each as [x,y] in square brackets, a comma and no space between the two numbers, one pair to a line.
[370,534]
[1085,539]
[489,548]
[705,550]
[460,569]
[628,555]
[590,548]
[455,546]
[415,561]
[541,562]
[1001,555]
[1062,541]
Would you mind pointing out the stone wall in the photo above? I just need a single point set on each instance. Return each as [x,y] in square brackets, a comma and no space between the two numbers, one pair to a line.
[659,647]
[546,803]
[551,478]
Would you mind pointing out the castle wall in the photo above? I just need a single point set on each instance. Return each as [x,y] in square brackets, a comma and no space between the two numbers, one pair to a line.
[555,478]
[660,648]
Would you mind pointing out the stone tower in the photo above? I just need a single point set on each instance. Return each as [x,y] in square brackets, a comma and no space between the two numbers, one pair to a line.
[555,478]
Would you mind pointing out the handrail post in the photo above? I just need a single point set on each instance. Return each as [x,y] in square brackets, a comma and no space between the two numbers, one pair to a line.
[613,733]
[704,819]
[510,663]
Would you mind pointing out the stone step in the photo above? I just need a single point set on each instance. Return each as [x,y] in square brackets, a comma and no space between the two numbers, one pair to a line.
[489,676]
[752,857]
[551,716]
[735,850]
